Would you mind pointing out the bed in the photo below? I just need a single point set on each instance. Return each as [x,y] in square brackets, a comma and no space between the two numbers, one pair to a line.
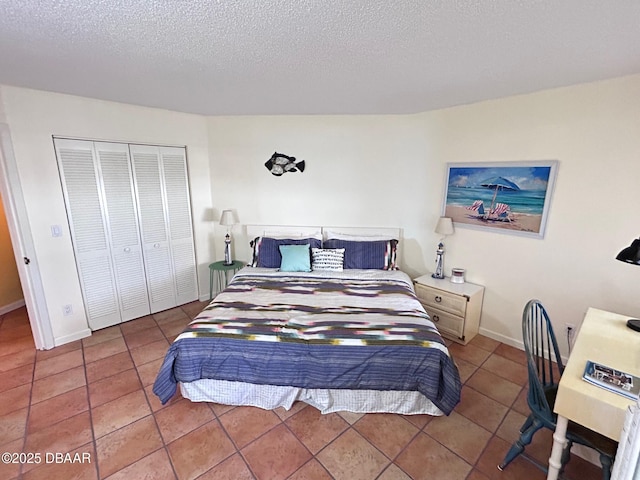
[340,339]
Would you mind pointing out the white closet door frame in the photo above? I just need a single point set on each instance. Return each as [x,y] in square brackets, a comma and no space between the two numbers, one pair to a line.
[81,189]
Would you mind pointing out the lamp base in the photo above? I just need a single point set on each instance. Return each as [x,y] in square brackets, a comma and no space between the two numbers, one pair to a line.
[438,276]
[634,324]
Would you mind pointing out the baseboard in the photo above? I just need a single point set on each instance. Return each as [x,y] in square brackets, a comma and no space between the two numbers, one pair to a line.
[73,337]
[204,298]
[11,307]
[502,338]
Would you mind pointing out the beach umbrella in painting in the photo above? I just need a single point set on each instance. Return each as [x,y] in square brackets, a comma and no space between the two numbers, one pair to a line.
[499,183]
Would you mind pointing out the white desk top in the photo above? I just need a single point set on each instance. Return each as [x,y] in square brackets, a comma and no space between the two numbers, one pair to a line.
[603,338]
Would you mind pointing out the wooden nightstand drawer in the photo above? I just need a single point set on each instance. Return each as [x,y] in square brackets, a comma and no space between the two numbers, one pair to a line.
[455,304]
[451,325]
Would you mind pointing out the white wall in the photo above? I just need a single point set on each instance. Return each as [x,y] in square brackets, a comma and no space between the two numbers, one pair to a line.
[33,118]
[390,171]
[379,171]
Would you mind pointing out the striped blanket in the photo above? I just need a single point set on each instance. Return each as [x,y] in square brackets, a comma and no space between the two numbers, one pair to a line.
[357,329]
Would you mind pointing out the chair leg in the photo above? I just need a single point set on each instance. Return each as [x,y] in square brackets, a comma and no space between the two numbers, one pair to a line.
[605,460]
[566,456]
[526,436]
[527,423]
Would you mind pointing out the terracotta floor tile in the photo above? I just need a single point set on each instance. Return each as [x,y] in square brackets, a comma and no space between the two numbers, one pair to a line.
[213,447]
[477,475]
[58,384]
[393,472]
[101,336]
[469,353]
[350,417]
[426,459]
[63,436]
[314,429]
[233,468]
[295,408]
[508,369]
[465,369]
[312,470]
[485,343]
[127,445]
[276,455]
[219,409]
[181,418]
[113,387]
[60,363]
[352,457]
[149,352]
[58,408]
[144,337]
[154,401]
[460,435]
[168,315]
[519,469]
[17,359]
[388,433]
[119,412]
[15,399]
[104,349]
[509,429]
[149,371]
[13,425]
[54,352]
[512,353]
[194,308]
[174,327]
[11,470]
[12,346]
[133,326]
[245,424]
[155,466]
[81,465]
[418,420]
[109,366]
[479,408]
[16,377]
[494,387]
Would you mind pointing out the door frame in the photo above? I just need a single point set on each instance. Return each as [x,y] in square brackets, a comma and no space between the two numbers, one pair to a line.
[22,242]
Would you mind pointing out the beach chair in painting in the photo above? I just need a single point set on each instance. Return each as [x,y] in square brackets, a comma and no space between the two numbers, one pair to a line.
[477,207]
[502,212]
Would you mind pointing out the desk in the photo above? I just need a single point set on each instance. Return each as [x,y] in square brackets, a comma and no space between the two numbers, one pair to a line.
[222,270]
[603,338]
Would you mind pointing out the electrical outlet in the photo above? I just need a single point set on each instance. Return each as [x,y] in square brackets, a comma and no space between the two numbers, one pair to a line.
[67,310]
[569,329]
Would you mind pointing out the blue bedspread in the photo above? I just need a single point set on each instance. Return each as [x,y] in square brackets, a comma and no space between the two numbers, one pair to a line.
[356,331]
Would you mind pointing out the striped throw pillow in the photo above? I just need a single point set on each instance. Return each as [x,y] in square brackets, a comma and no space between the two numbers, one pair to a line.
[327,259]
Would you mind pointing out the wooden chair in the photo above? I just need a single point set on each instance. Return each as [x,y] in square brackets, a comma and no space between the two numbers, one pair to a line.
[545,368]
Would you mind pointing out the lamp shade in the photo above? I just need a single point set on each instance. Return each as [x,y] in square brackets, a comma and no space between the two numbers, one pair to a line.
[226,218]
[444,226]
[631,254]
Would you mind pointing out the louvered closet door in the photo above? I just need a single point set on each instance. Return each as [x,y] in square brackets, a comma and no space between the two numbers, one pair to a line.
[153,226]
[122,227]
[174,164]
[76,161]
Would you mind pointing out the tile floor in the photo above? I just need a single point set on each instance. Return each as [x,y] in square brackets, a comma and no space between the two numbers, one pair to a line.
[93,398]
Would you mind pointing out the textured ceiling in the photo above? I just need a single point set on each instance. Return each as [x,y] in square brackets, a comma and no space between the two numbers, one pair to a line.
[313,56]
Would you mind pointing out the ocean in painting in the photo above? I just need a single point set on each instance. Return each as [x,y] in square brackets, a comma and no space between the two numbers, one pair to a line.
[521,201]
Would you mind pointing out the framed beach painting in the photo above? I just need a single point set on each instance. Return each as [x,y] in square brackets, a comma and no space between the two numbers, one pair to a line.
[507,197]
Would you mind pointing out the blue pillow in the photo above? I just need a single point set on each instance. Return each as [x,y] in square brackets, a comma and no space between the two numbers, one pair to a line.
[376,254]
[266,253]
[295,258]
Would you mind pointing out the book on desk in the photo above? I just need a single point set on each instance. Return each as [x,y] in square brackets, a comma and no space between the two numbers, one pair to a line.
[611,379]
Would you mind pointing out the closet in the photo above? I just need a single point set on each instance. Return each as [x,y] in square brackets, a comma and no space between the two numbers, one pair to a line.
[130,218]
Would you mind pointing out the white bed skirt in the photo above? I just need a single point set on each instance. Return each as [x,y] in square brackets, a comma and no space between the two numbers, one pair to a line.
[270,397]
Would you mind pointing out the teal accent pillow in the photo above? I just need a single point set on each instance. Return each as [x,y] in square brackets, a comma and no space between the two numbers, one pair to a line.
[295,258]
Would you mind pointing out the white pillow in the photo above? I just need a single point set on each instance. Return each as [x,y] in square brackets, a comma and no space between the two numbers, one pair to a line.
[331,259]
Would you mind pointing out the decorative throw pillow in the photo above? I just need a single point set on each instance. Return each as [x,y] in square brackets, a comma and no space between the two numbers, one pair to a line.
[295,258]
[331,259]
[266,253]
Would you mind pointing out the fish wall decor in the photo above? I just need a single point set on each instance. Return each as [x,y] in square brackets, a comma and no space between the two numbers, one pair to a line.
[280,163]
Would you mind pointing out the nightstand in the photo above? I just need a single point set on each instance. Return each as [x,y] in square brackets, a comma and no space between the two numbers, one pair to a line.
[455,308]
[222,271]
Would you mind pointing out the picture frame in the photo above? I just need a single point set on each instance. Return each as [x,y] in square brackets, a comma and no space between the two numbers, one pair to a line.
[503,197]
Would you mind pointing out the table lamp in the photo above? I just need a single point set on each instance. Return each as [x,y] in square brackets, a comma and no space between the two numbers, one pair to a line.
[443,227]
[631,255]
[227,220]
